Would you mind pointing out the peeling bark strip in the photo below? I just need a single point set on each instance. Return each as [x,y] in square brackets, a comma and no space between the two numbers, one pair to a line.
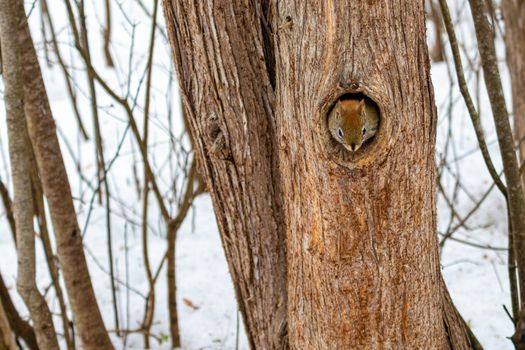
[362,265]
[56,188]
[229,103]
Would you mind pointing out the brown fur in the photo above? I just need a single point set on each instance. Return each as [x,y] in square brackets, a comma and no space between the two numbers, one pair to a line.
[351,111]
[352,122]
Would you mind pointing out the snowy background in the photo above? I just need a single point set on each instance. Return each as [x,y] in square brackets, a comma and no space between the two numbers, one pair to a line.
[477,277]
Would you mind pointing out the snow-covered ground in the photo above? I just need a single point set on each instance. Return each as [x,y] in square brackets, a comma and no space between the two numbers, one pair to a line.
[477,278]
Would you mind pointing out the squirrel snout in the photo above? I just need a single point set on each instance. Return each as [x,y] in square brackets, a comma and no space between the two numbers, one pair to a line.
[352,147]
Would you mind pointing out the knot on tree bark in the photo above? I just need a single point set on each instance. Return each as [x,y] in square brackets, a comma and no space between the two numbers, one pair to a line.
[218,145]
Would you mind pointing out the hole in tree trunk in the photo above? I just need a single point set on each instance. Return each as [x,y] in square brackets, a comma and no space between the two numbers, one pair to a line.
[353,122]
[353,139]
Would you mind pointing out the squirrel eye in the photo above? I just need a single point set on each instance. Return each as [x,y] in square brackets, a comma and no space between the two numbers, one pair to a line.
[340,132]
[364,131]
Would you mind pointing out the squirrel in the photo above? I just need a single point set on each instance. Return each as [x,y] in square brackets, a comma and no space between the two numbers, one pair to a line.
[352,122]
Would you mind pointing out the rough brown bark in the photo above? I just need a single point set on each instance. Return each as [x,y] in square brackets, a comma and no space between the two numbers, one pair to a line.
[228,101]
[56,188]
[20,158]
[363,268]
[363,261]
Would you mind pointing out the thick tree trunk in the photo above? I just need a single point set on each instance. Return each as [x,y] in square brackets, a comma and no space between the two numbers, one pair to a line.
[363,261]
[58,193]
[362,255]
[229,102]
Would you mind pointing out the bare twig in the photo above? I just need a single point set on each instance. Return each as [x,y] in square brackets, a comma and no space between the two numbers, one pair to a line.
[476,245]
[107,37]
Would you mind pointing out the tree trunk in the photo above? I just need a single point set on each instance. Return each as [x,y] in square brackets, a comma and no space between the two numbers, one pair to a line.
[56,188]
[21,328]
[258,79]
[40,213]
[229,103]
[514,16]
[7,342]
[8,207]
[20,158]
[437,52]
[362,245]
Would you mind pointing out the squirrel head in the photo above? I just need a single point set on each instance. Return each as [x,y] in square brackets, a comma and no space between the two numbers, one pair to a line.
[347,123]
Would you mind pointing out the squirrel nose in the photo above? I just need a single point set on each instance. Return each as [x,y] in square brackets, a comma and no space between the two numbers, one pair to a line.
[352,146]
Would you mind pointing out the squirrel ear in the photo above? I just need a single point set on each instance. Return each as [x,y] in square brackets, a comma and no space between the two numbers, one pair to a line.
[338,106]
